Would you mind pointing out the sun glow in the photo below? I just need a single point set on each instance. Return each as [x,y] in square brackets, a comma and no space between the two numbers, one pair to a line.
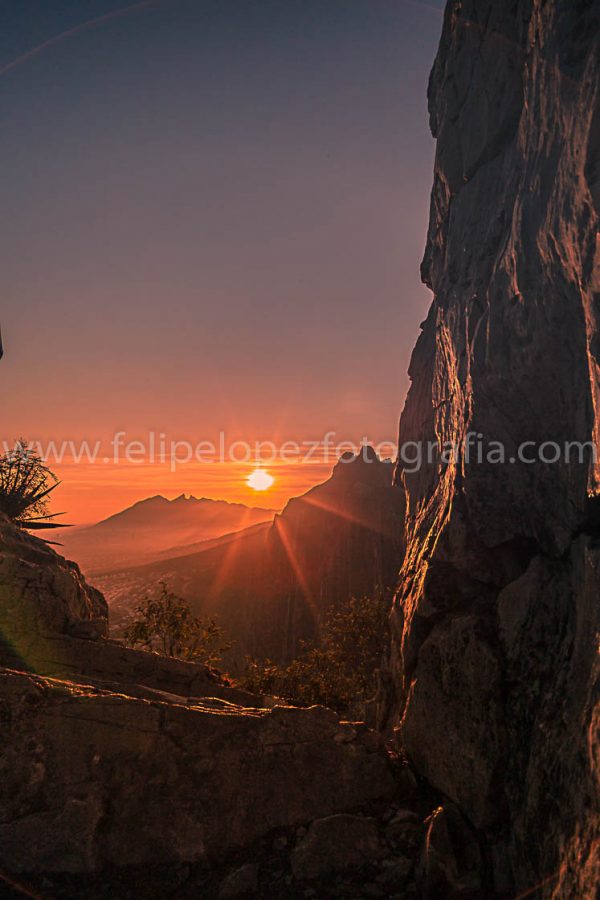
[259,480]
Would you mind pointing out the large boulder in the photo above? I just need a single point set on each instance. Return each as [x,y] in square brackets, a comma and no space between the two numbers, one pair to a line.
[495,654]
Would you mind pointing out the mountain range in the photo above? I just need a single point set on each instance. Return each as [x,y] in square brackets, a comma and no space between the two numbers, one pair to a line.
[271,584]
[154,527]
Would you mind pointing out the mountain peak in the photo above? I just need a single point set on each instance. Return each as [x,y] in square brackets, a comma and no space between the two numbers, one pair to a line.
[364,466]
[155,524]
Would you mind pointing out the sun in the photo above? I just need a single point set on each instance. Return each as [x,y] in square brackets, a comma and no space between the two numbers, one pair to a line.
[259,480]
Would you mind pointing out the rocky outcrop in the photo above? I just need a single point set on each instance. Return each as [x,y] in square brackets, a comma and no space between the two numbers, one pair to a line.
[111,665]
[53,623]
[93,779]
[495,660]
[126,759]
[41,592]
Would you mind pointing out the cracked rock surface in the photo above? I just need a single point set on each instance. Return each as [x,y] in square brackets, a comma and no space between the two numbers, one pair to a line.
[92,779]
[495,646]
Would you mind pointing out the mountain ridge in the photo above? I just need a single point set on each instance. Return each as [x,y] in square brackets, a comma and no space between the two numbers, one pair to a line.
[271,584]
[187,498]
[151,526]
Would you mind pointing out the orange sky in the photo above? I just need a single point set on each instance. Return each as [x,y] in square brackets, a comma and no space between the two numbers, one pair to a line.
[91,493]
[214,215]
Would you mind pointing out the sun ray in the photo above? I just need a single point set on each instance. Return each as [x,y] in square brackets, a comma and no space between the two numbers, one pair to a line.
[355,519]
[286,543]
[229,557]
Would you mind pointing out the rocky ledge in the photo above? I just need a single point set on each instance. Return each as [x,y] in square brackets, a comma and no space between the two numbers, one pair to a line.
[41,592]
[117,760]
[92,779]
[105,795]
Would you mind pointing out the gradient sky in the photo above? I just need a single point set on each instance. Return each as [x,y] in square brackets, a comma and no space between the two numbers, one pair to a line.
[213,217]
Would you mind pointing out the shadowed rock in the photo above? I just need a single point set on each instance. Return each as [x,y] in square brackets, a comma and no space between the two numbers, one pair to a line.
[334,844]
[42,592]
[92,778]
[495,659]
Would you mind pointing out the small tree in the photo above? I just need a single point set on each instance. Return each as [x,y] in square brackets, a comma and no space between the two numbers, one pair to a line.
[340,668]
[167,625]
[25,486]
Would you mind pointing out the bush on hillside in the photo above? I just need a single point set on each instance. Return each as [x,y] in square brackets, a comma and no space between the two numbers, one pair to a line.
[167,625]
[338,670]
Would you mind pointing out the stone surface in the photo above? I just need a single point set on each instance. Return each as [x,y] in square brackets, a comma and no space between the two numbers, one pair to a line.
[396,874]
[549,633]
[53,623]
[450,864]
[129,759]
[455,730]
[334,844]
[90,778]
[242,882]
[403,829]
[111,665]
[495,659]
[42,592]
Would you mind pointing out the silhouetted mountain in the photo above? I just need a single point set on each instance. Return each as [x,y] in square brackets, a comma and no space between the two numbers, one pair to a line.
[270,585]
[150,528]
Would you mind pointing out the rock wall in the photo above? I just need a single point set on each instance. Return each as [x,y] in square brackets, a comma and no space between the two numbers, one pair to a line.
[92,779]
[495,664]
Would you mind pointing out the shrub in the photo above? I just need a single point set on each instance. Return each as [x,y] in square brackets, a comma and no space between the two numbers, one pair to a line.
[167,625]
[25,486]
[339,669]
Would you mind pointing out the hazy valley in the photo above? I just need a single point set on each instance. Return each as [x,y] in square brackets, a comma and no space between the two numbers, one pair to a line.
[269,585]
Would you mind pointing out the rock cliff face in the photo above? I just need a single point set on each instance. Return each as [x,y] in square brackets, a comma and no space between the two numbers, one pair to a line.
[495,664]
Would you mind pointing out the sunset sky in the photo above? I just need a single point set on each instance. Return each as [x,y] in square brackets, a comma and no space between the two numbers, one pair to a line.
[213,219]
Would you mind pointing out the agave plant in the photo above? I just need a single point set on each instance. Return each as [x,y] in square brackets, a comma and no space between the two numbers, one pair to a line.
[25,486]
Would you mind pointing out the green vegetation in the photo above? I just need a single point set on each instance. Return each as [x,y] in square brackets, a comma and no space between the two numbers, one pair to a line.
[336,671]
[25,485]
[167,625]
